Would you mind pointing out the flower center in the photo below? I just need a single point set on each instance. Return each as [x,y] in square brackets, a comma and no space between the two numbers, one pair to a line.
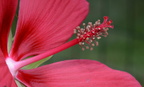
[11,65]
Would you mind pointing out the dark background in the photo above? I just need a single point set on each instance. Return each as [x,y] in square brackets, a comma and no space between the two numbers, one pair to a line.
[123,48]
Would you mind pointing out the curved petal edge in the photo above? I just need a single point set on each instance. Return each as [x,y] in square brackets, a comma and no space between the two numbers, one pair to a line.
[76,73]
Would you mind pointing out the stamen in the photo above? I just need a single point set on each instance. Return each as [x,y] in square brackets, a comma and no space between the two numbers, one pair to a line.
[90,32]
[86,38]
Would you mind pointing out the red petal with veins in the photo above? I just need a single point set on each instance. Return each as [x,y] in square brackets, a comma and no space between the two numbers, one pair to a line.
[46,24]
[76,73]
[7,12]
[6,79]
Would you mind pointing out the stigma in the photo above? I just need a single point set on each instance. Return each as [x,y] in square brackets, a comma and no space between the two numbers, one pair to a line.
[90,33]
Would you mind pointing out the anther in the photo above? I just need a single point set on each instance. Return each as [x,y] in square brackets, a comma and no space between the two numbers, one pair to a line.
[98,37]
[87,47]
[75,31]
[91,48]
[96,43]
[84,24]
[93,44]
[90,32]
[97,23]
[83,49]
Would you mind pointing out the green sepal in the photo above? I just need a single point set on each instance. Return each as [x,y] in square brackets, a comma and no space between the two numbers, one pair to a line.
[10,40]
[36,64]
[19,84]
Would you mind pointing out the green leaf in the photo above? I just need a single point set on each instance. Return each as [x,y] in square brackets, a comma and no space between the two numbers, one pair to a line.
[36,64]
[19,84]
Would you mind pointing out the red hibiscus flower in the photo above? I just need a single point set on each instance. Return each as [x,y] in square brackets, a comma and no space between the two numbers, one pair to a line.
[42,30]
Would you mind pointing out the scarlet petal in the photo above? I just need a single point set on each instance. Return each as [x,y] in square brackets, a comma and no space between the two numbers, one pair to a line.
[76,73]
[6,79]
[46,24]
[7,12]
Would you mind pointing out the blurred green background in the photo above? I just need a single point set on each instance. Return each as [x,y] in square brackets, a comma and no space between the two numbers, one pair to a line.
[123,48]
